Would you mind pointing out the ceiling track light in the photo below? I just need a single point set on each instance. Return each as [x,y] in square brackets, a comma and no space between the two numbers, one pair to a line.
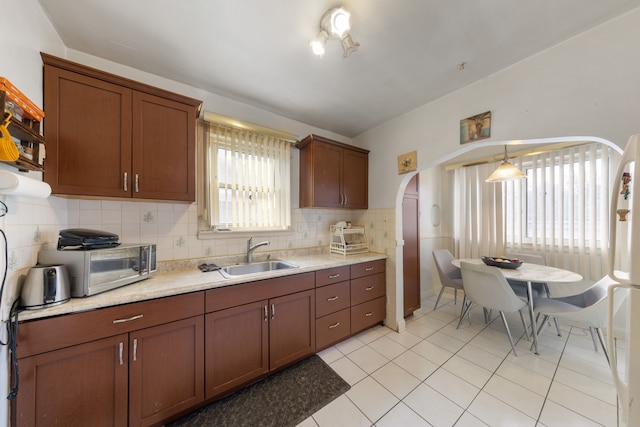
[335,23]
[506,171]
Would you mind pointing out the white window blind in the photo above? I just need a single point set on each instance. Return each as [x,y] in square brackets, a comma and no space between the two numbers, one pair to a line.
[248,176]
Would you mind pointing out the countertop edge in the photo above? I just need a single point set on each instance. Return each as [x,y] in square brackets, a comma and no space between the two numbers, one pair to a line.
[163,284]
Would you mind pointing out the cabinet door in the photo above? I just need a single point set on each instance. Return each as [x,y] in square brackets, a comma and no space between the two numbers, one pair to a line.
[236,347]
[163,149]
[166,370]
[327,176]
[88,134]
[292,334]
[83,385]
[411,248]
[355,179]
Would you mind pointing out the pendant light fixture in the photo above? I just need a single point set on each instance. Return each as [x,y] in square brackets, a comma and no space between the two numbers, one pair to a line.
[506,171]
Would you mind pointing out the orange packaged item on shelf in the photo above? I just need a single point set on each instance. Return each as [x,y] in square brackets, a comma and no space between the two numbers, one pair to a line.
[8,149]
[30,110]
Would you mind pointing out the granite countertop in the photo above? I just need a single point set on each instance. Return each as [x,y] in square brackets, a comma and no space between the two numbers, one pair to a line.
[169,283]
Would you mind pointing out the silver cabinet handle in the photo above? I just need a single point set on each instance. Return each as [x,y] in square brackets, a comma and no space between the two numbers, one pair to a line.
[121,349]
[368,269]
[273,311]
[135,349]
[266,313]
[126,178]
[332,298]
[369,314]
[335,325]
[333,276]
[137,186]
[368,288]
[345,199]
[139,316]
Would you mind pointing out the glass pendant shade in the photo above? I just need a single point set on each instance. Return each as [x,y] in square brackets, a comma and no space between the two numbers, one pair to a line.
[506,171]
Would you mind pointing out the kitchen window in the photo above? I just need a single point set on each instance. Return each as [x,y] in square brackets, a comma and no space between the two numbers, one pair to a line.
[247,179]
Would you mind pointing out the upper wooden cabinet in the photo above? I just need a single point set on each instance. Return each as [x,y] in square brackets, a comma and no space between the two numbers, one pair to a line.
[332,174]
[114,137]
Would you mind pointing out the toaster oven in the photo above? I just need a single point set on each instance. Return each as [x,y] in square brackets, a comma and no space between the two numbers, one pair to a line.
[98,270]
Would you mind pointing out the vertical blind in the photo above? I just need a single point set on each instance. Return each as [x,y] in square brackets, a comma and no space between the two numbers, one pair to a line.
[248,179]
[561,211]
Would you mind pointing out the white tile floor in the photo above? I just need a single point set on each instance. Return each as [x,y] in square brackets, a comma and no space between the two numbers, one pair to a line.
[434,375]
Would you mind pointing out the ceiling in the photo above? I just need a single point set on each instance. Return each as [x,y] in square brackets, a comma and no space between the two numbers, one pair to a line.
[257,51]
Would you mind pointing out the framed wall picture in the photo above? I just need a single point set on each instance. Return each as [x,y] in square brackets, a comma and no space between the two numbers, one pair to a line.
[475,127]
[407,162]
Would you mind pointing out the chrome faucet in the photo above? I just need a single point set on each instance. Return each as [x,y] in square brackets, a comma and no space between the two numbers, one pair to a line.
[251,248]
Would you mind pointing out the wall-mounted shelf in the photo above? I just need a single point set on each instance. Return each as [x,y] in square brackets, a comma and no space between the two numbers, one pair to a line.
[348,241]
[28,132]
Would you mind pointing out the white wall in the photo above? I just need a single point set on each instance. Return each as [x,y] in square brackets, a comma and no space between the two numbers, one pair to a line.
[588,85]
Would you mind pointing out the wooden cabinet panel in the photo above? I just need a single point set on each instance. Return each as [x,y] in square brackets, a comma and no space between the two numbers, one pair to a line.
[236,347]
[411,248]
[113,137]
[332,174]
[88,134]
[355,180]
[163,148]
[333,328]
[332,275]
[332,298]
[367,314]
[166,370]
[292,333]
[367,288]
[367,268]
[83,385]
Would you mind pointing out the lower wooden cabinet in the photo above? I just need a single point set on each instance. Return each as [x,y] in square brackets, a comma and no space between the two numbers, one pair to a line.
[249,340]
[236,346]
[71,375]
[349,300]
[83,385]
[166,370]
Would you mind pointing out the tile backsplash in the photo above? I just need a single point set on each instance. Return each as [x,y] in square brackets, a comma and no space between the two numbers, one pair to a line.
[31,223]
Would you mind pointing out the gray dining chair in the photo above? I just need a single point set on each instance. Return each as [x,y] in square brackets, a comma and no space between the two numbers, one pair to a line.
[450,276]
[487,287]
[587,309]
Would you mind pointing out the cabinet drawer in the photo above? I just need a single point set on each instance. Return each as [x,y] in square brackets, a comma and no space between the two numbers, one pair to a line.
[365,315]
[332,328]
[332,275]
[332,298]
[367,268]
[367,288]
[39,336]
[245,293]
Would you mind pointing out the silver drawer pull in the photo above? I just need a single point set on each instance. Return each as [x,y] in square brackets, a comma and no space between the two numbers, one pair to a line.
[368,269]
[266,313]
[139,316]
[369,314]
[335,325]
[332,299]
[368,288]
[121,348]
[333,276]
[125,181]
[135,349]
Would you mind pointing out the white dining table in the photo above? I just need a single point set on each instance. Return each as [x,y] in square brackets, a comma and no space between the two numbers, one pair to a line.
[530,273]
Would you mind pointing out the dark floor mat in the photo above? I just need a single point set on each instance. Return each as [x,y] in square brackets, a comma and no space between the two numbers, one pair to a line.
[284,399]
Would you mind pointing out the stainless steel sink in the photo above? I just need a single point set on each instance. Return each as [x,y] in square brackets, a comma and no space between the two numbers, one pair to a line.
[255,267]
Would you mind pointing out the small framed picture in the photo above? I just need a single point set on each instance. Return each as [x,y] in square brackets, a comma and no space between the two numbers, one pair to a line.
[475,127]
[407,162]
